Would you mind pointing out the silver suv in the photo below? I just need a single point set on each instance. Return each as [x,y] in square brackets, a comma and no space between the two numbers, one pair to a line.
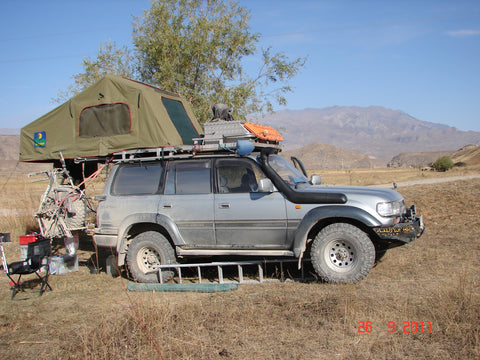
[241,203]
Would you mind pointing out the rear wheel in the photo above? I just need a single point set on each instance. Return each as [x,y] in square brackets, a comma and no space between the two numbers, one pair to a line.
[147,250]
[342,253]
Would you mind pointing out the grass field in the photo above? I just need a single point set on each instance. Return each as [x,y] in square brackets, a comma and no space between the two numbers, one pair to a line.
[421,301]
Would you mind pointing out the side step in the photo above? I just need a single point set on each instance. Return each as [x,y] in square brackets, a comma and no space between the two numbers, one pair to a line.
[261,266]
[192,251]
[201,288]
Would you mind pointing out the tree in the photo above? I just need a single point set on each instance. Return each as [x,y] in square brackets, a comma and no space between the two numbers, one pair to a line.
[443,164]
[197,48]
[110,59]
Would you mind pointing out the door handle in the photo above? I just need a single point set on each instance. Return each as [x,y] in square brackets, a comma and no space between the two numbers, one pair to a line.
[224,206]
[167,206]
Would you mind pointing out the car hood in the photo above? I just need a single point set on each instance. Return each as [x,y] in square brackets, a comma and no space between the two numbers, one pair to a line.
[353,191]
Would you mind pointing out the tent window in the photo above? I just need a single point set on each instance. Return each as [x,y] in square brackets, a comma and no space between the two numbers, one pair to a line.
[105,120]
[180,119]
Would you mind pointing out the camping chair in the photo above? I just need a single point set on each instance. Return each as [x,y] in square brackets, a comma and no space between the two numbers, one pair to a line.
[37,258]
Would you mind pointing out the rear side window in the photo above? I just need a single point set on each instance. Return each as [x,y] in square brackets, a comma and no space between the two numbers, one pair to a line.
[188,177]
[138,180]
[105,120]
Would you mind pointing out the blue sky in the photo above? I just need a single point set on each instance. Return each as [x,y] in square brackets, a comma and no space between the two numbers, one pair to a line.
[421,57]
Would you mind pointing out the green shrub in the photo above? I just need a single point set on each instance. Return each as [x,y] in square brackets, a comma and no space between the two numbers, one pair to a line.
[443,164]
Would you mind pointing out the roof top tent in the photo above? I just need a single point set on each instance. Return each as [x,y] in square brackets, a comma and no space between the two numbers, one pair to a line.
[114,114]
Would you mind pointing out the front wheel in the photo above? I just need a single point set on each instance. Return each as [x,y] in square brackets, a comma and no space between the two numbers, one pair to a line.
[147,250]
[342,253]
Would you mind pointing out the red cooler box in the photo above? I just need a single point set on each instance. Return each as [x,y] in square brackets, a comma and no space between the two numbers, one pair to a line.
[24,240]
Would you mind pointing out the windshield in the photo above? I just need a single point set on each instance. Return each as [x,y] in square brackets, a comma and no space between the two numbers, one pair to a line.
[286,170]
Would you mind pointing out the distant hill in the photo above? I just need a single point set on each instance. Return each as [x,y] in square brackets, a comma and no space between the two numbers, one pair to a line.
[468,155]
[9,147]
[324,156]
[417,159]
[4,131]
[374,131]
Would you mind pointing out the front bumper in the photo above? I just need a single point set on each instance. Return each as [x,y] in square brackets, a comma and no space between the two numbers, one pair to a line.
[405,231]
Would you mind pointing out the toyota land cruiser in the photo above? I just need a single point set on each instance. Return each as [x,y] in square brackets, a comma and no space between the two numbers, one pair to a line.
[253,202]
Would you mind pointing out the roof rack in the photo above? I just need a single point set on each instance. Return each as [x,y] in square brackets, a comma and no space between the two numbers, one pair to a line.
[220,137]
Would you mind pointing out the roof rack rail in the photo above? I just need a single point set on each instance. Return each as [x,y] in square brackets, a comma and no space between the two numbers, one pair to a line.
[220,136]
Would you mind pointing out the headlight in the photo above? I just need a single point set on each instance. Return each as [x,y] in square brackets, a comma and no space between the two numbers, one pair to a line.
[388,209]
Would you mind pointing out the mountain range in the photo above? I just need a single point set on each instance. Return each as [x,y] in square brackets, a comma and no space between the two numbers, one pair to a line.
[374,131]
[340,137]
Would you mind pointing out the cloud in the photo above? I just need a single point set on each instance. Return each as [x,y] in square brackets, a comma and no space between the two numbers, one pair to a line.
[463,33]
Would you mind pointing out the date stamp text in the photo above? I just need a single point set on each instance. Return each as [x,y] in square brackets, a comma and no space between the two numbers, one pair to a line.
[407,327]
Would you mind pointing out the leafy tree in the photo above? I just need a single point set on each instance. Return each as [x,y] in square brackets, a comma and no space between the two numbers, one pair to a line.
[110,59]
[197,48]
[443,164]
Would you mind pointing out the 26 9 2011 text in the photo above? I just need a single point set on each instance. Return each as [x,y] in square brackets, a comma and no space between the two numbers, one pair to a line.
[407,327]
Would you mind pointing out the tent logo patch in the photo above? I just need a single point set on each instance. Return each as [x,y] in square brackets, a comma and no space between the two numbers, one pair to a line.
[39,139]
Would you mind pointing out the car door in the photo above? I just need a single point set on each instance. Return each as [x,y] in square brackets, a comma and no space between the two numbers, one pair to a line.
[188,200]
[244,217]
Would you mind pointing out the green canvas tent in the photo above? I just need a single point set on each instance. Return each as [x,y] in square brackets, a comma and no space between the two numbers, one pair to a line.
[112,115]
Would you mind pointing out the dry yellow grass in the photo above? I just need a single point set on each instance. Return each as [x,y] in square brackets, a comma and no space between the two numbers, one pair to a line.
[365,177]
[434,280]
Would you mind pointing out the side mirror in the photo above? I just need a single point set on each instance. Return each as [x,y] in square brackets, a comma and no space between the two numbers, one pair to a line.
[266,186]
[316,179]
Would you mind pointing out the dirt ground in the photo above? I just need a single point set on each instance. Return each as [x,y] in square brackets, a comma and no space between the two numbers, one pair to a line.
[421,301]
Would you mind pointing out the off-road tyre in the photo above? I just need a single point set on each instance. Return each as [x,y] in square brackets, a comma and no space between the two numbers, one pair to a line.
[147,249]
[76,213]
[342,253]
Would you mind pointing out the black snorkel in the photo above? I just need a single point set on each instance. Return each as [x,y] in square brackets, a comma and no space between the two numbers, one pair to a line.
[297,197]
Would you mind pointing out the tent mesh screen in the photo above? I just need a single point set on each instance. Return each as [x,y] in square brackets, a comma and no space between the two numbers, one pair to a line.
[105,120]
